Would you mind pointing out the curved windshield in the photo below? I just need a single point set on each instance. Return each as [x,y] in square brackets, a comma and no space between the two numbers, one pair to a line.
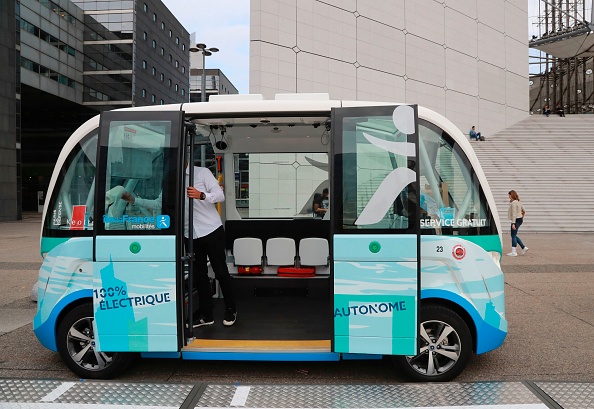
[452,201]
[71,204]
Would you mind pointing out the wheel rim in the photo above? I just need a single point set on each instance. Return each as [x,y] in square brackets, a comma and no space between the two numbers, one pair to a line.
[81,347]
[440,349]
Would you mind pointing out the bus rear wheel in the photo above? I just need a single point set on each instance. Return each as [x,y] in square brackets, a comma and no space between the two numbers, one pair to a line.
[445,347]
[76,344]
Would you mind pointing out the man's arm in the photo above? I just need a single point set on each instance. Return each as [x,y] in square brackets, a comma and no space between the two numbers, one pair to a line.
[154,204]
[213,192]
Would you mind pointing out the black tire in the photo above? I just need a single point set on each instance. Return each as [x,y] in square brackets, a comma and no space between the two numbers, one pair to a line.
[76,341]
[443,361]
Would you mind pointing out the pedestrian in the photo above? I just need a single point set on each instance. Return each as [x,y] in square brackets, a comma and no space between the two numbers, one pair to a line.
[516,213]
[209,244]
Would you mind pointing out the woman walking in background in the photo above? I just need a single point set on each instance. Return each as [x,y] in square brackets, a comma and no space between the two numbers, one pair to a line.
[515,213]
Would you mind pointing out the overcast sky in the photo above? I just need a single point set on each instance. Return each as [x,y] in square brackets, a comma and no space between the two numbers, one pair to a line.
[224,24]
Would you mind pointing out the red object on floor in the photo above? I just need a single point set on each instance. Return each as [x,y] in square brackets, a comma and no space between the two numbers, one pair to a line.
[249,270]
[296,271]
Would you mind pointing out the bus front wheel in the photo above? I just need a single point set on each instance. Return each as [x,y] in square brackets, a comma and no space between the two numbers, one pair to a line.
[444,350]
[76,344]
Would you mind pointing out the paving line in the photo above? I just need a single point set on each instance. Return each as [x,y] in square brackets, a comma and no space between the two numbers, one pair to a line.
[240,396]
[56,393]
[53,405]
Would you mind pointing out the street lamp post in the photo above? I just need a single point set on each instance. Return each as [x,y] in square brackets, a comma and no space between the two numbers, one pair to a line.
[205,52]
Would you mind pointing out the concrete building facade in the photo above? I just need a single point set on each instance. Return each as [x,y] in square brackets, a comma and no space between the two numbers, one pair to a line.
[467,60]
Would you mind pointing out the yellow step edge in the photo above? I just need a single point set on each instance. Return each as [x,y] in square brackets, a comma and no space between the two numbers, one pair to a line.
[231,345]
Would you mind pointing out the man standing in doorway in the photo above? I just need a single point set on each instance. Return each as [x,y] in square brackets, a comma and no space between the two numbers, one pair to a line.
[209,244]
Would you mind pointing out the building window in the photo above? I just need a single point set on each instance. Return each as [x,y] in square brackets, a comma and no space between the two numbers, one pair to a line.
[177,40]
[183,92]
[145,7]
[162,77]
[154,44]
[162,25]
[144,36]
[154,71]
[170,82]
[183,70]
[144,93]
[153,98]
[162,51]
[155,17]
[162,102]
[144,64]
[170,58]
[183,47]
[176,87]
[176,64]
[170,34]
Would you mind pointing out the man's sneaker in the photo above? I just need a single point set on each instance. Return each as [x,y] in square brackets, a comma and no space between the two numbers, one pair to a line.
[203,320]
[512,254]
[230,317]
[524,250]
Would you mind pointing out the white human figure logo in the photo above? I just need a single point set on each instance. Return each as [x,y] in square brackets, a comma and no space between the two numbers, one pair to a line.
[383,198]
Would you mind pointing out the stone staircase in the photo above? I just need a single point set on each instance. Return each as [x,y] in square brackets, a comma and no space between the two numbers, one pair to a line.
[550,163]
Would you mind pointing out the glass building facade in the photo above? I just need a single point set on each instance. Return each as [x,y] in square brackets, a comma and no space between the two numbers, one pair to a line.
[65,62]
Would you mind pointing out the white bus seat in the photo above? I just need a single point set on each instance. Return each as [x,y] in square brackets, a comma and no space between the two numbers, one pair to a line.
[313,251]
[247,251]
[280,251]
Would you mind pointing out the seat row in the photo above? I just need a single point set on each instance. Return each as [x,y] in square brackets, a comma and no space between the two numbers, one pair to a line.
[281,255]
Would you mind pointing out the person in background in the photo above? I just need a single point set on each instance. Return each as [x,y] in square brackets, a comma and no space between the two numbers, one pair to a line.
[546,110]
[515,214]
[321,203]
[209,244]
[317,205]
[152,204]
[474,134]
[560,110]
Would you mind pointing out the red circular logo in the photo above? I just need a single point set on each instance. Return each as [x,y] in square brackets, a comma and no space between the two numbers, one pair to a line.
[459,252]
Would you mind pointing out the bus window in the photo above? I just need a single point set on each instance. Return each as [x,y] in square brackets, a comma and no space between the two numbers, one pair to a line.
[72,205]
[451,202]
[135,164]
[365,166]
[281,184]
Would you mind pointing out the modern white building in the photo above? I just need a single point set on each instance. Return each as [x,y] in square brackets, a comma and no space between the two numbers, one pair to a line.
[466,59]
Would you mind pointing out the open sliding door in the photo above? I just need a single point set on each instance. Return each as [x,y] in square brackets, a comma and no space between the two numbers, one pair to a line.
[136,281]
[376,230]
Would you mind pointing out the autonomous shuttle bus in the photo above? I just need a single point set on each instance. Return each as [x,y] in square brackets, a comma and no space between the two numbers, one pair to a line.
[401,263]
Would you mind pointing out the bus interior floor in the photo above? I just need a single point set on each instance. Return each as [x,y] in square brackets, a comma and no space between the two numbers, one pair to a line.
[272,318]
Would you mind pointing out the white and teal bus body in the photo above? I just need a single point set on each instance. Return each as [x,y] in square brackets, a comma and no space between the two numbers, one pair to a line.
[405,263]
